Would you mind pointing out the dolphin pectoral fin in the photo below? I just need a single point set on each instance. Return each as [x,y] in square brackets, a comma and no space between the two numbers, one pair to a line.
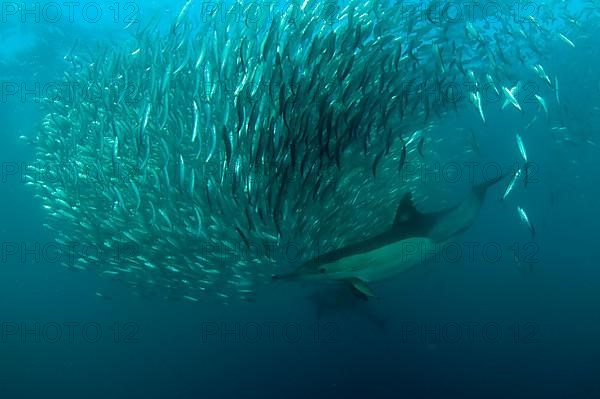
[361,289]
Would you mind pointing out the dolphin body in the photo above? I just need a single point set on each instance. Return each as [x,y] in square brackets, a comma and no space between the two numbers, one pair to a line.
[413,238]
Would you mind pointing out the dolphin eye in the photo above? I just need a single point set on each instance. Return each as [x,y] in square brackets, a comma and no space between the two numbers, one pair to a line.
[322,270]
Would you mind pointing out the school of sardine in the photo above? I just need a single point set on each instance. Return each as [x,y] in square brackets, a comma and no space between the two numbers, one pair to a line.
[214,151]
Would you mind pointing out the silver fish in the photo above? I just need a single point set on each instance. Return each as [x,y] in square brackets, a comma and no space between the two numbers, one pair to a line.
[525,219]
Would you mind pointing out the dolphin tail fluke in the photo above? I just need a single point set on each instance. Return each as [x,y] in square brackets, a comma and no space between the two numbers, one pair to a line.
[484,186]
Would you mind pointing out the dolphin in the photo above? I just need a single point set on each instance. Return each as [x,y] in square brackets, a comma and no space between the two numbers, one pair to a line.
[340,299]
[413,238]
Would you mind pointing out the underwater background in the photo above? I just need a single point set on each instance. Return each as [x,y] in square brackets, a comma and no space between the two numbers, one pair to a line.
[519,316]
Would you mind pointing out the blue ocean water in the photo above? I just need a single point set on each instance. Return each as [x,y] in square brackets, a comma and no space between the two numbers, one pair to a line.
[523,322]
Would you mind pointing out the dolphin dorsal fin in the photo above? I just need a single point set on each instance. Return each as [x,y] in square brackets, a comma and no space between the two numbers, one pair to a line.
[407,213]
[406,210]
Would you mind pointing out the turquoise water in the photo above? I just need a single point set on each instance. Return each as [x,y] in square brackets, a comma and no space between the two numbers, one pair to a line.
[507,315]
